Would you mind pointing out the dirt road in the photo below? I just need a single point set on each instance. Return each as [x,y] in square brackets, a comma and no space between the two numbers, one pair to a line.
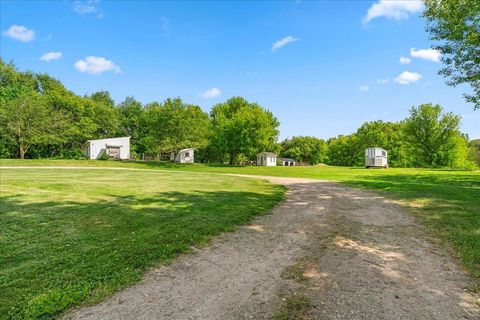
[327,252]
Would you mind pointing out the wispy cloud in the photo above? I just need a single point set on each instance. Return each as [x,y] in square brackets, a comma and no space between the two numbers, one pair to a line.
[426,54]
[88,7]
[20,33]
[283,42]
[404,60]
[393,9]
[51,56]
[96,65]
[407,77]
[211,93]
[383,81]
[364,88]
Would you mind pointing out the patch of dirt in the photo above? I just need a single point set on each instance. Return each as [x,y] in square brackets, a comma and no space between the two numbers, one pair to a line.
[328,251]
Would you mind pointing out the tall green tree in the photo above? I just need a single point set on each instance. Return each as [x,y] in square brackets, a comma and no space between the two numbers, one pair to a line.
[29,121]
[306,150]
[14,83]
[343,151]
[105,115]
[455,26]
[387,135]
[458,156]
[474,151]
[79,110]
[433,134]
[133,123]
[175,125]
[240,129]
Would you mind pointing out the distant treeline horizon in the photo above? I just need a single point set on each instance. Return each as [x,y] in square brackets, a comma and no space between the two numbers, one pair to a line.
[40,118]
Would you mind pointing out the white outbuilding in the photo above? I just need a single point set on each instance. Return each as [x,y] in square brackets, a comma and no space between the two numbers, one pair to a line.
[267,159]
[115,148]
[183,156]
[288,162]
[376,158]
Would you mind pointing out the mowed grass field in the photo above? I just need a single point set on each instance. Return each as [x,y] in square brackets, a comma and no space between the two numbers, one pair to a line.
[74,236]
[446,201]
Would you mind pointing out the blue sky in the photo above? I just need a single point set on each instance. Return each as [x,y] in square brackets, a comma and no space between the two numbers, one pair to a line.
[323,68]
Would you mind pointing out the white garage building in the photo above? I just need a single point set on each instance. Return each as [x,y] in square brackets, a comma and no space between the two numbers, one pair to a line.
[115,148]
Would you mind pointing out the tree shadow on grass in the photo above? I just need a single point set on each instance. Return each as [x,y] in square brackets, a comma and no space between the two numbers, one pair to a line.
[62,253]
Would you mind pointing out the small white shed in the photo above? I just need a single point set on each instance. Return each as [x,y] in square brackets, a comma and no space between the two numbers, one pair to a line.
[376,158]
[267,159]
[115,148]
[183,156]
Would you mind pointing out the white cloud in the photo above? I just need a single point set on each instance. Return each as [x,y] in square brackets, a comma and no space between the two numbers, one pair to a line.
[85,7]
[283,42]
[383,81]
[393,9]
[404,60]
[427,54]
[407,77]
[88,7]
[51,56]
[211,93]
[96,65]
[364,88]
[20,33]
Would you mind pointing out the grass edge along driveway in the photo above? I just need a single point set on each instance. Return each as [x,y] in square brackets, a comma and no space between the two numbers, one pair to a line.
[75,236]
[446,201]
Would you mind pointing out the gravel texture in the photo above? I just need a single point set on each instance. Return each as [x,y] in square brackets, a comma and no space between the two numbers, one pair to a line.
[363,257]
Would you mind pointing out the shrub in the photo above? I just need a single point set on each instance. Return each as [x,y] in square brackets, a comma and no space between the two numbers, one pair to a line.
[103,156]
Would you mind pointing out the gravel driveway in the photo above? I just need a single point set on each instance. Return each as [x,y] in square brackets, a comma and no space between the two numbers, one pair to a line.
[360,257]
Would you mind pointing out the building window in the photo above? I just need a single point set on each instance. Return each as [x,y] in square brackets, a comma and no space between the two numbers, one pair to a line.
[187,154]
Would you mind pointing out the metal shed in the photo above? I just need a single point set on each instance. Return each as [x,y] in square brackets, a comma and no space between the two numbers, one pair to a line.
[376,158]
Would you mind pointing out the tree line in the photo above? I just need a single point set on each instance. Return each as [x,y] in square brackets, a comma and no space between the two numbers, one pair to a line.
[40,118]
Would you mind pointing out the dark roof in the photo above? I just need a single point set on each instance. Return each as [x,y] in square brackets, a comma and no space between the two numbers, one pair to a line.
[288,159]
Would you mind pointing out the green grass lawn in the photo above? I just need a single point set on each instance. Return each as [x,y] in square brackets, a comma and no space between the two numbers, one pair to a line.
[447,202]
[74,236]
